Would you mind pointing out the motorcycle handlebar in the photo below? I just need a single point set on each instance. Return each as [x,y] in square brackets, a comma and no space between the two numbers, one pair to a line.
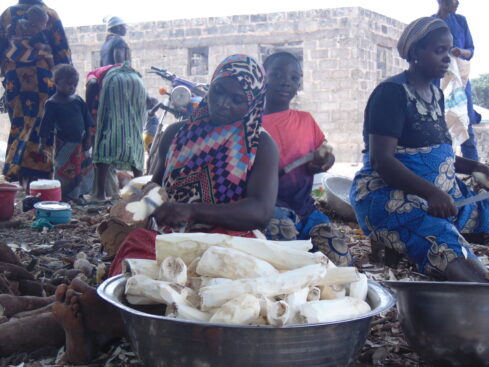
[197,88]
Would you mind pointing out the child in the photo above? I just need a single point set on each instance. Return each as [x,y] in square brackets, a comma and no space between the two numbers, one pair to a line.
[296,134]
[29,33]
[151,125]
[67,115]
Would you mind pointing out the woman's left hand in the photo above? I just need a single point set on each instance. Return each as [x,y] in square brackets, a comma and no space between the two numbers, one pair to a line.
[173,214]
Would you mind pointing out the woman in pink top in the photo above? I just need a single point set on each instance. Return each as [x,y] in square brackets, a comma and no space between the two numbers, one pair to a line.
[296,134]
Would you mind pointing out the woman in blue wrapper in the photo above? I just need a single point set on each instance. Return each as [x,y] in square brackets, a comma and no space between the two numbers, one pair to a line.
[463,47]
[404,196]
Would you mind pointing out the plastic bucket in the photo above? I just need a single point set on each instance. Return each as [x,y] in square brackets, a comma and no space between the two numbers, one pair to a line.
[7,199]
[54,211]
[48,190]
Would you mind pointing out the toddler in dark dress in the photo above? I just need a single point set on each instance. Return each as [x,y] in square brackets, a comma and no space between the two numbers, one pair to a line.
[66,115]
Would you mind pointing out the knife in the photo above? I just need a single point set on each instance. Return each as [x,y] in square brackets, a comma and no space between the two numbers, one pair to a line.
[473,199]
[299,162]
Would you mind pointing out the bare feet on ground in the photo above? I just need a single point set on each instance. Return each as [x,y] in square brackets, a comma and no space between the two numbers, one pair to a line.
[79,346]
[89,322]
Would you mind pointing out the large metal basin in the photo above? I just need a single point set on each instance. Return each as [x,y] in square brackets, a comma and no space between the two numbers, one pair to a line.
[163,341]
[447,323]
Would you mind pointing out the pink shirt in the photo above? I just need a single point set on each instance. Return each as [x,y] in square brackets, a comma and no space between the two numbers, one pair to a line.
[296,133]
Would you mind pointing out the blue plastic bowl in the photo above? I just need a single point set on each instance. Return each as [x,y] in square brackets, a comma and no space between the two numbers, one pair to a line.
[54,211]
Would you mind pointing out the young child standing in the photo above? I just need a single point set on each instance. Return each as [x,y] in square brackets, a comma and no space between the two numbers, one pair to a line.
[296,134]
[67,116]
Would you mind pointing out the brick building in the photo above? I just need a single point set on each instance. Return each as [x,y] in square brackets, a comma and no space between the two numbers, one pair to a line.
[345,52]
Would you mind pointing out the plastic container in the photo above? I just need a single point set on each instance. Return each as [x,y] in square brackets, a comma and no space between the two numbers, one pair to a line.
[54,211]
[48,190]
[7,199]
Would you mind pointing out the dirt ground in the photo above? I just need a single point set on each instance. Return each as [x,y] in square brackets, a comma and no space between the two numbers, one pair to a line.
[45,253]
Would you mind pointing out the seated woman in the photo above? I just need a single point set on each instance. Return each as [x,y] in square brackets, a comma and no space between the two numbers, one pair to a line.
[297,134]
[404,196]
[219,169]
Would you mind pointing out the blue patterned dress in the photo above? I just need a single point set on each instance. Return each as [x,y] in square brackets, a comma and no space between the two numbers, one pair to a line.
[400,220]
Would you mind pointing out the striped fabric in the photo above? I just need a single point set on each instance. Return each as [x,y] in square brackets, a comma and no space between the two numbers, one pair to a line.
[121,114]
[416,31]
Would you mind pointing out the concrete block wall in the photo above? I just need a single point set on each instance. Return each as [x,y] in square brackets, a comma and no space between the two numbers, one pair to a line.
[345,51]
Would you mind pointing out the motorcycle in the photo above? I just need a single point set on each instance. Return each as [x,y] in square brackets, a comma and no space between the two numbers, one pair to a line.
[183,99]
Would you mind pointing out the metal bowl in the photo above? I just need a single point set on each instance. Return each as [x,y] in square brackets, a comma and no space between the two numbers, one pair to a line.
[445,322]
[163,341]
[338,195]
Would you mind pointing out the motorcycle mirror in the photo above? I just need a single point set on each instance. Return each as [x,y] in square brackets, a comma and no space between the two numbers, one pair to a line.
[163,91]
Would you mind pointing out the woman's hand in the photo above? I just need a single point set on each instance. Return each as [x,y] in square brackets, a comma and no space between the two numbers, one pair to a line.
[460,52]
[173,214]
[440,204]
[321,162]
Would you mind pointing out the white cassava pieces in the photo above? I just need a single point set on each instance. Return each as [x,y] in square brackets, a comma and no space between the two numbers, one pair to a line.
[244,281]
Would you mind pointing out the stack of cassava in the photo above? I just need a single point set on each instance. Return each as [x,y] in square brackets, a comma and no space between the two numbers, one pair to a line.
[245,281]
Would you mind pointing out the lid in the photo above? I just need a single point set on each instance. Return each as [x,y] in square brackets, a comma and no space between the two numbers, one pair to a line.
[45,184]
[52,205]
[4,186]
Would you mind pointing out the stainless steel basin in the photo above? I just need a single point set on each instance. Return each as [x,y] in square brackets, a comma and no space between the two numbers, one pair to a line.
[447,323]
[163,341]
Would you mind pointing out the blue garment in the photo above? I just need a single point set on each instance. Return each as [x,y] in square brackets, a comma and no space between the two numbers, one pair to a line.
[462,38]
[286,225]
[401,222]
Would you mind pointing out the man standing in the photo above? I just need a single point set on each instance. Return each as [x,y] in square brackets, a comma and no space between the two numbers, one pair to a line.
[463,47]
[115,50]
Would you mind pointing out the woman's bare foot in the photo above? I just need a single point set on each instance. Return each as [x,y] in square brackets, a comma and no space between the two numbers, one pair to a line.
[99,316]
[80,348]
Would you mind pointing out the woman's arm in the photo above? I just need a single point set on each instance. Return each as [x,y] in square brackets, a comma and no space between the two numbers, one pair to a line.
[468,166]
[165,143]
[252,212]
[397,175]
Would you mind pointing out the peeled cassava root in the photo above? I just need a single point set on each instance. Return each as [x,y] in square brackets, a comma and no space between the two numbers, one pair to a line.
[222,279]
[188,246]
[137,208]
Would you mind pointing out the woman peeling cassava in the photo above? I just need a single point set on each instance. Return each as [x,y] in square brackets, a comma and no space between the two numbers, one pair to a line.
[240,196]
[404,196]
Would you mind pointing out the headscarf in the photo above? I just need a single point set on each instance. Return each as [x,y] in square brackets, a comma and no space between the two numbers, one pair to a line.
[209,163]
[416,31]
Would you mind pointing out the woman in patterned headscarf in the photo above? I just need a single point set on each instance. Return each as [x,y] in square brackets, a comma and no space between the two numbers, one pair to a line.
[28,85]
[404,196]
[219,169]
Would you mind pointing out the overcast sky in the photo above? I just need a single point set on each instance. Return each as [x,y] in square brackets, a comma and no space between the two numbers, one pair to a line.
[85,12]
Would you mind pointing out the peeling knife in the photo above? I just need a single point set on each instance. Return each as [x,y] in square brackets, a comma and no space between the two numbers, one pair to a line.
[299,162]
[473,199]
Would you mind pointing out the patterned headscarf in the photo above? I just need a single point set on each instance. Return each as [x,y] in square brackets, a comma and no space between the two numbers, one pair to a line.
[416,31]
[208,163]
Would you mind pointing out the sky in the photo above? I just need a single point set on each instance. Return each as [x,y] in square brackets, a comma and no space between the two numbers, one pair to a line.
[87,12]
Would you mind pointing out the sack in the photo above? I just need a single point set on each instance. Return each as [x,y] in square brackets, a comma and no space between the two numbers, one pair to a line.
[456,114]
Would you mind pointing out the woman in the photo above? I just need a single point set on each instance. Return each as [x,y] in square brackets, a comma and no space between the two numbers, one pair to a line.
[463,47]
[404,194]
[28,85]
[220,168]
[297,134]
[120,116]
